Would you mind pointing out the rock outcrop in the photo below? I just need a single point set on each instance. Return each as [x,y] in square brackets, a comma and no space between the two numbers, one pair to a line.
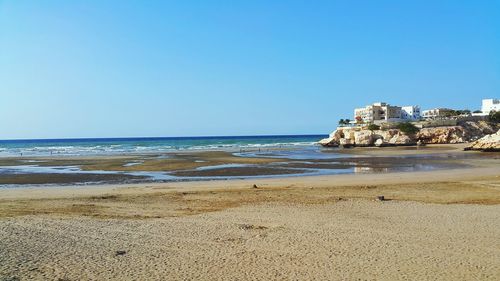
[486,143]
[476,130]
[358,137]
[363,138]
[328,142]
[402,139]
[346,142]
[442,135]
[464,132]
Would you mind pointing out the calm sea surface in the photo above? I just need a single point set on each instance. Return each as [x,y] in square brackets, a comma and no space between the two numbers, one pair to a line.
[74,147]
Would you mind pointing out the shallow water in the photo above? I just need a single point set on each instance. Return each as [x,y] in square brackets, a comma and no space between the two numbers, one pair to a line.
[297,162]
[302,153]
[224,166]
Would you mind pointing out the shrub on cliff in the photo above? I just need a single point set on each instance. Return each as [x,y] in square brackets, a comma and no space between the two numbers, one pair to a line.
[495,116]
[373,127]
[408,128]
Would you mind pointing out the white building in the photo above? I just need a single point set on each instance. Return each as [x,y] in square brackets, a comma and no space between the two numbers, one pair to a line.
[437,113]
[381,112]
[377,112]
[411,112]
[490,105]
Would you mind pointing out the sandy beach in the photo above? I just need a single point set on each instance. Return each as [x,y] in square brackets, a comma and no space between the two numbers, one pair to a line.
[433,225]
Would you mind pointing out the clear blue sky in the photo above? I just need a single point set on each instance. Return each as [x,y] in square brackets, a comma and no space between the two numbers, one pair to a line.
[184,68]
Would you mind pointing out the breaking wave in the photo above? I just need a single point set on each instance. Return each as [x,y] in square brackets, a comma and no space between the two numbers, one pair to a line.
[77,147]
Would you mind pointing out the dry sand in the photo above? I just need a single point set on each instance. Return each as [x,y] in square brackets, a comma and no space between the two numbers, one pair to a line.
[437,225]
[346,240]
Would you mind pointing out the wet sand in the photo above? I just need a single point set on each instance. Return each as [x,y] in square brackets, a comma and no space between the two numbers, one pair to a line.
[179,166]
[434,225]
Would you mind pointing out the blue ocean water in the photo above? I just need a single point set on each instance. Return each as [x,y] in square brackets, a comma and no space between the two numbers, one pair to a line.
[105,146]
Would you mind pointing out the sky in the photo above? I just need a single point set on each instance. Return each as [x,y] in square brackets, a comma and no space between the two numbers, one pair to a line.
[71,69]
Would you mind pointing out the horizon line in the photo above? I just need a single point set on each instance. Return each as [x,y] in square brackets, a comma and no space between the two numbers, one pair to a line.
[143,137]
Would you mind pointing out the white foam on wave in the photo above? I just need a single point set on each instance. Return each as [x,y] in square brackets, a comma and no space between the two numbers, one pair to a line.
[130,164]
[223,166]
[114,148]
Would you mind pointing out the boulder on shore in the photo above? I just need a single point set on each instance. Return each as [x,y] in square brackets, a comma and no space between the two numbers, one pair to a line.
[486,143]
[379,142]
[328,142]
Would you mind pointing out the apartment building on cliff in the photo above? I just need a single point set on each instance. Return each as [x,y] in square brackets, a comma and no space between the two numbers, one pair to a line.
[437,113]
[381,112]
[490,105]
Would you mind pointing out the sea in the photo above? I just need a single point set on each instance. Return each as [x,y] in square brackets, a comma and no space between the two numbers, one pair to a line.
[117,146]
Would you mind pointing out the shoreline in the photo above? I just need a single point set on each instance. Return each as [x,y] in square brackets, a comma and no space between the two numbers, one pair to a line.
[444,175]
[223,165]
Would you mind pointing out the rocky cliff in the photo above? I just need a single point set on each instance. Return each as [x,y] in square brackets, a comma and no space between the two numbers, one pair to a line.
[487,143]
[463,132]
